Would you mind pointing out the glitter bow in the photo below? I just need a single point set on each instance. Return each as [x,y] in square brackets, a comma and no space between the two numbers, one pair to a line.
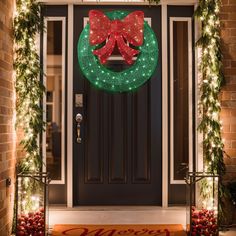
[128,30]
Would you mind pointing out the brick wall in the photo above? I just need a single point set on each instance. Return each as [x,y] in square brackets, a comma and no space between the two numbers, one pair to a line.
[7,149]
[228,19]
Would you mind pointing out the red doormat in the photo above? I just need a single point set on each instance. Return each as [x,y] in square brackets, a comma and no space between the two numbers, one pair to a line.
[113,230]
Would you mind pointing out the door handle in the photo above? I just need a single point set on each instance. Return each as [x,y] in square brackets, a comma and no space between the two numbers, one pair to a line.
[78,119]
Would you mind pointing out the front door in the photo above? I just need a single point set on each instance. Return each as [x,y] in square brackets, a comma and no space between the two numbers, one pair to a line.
[119,159]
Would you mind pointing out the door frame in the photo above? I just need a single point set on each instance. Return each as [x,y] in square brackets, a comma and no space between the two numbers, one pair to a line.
[165,98]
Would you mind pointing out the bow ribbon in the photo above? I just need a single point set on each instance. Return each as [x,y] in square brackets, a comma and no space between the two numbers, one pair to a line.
[116,31]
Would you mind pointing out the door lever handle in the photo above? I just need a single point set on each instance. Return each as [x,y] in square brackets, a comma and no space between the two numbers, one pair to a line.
[78,119]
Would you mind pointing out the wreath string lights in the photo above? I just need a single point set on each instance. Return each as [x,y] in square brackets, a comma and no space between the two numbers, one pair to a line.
[128,79]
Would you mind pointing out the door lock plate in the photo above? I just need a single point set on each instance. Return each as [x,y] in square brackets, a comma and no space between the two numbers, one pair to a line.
[79,100]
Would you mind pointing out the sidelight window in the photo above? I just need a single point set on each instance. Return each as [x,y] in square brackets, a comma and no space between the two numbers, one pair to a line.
[54,100]
[180,98]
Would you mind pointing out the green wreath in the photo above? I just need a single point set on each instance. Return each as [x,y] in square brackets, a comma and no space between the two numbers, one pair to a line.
[128,79]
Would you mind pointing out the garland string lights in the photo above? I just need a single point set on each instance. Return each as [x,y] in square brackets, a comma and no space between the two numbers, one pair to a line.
[29,119]
[209,105]
[29,89]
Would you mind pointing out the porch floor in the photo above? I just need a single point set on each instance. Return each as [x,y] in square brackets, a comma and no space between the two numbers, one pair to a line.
[120,215]
[117,215]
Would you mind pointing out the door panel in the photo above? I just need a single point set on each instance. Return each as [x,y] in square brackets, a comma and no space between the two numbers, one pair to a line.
[141,127]
[119,160]
[117,142]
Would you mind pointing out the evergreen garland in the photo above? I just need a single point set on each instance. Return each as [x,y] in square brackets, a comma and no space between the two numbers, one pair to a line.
[212,80]
[154,1]
[29,89]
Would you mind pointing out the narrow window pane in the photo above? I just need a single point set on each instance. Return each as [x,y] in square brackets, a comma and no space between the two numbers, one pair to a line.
[180,96]
[54,100]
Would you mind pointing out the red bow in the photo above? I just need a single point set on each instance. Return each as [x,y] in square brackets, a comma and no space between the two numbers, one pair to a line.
[102,28]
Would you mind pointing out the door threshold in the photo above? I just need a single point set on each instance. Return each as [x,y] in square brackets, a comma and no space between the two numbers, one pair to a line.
[114,208]
[117,215]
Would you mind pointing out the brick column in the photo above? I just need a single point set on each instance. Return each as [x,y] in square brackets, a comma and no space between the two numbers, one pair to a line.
[7,149]
[228,33]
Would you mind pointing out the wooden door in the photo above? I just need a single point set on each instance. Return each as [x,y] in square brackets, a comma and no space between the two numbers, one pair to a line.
[119,160]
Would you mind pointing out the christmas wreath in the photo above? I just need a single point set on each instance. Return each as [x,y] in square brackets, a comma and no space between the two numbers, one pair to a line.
[132,35]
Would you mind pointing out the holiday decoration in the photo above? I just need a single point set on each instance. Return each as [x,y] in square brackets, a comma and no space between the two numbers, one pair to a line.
[31,209]
[204,222]
[202,215]
[97,73]
[211,82]
[154,1]
[30,198]
[29,88]
[116,31]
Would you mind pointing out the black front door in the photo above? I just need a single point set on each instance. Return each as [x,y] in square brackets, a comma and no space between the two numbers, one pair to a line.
[119,159]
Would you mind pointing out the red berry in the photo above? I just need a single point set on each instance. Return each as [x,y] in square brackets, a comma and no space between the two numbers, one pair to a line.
[41,221]
[41,209]
[20,233]
[31,214]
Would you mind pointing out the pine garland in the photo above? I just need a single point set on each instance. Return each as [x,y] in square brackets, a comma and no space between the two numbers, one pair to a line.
[156,2]
[29,89]
[212,80]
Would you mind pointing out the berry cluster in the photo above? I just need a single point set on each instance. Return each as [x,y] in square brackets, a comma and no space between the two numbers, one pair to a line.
[204,222]
[31,224]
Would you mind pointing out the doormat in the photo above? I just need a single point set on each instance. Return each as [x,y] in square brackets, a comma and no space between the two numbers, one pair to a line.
[113,230]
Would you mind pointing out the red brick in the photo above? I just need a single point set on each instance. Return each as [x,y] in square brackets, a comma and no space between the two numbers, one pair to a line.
[230,161]
[233,63]
[225,113]
[233,32]
[226,95]
[228,9]
[232,16]
[230,71]
[233,96]
[231,87]
[7,153]
[231,152]
[229,24]
[226,128]
[233,113]
[224,16]
[229,39]
[6,84]
[226,63]
[230,2]
[225,2]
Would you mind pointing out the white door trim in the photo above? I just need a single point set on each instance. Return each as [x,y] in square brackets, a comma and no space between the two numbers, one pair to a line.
[70,100]
[165,153]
